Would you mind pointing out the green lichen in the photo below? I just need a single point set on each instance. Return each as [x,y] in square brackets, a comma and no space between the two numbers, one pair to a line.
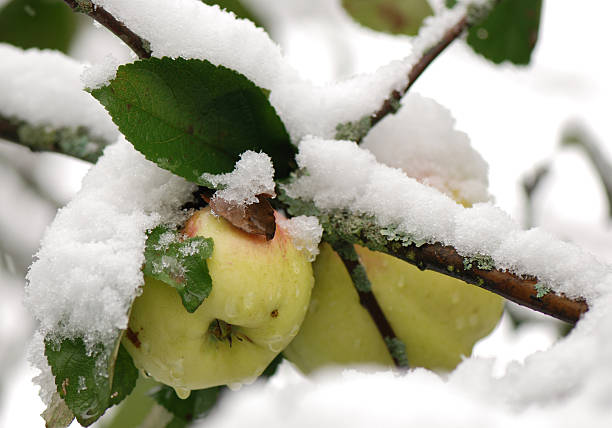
[542,290]
[76,142]
[84,6]
[354,131]
[482,261]
[392,233]
[360,279]
[397,349]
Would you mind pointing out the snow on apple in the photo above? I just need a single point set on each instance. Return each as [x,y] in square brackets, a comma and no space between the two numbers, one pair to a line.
[253,175]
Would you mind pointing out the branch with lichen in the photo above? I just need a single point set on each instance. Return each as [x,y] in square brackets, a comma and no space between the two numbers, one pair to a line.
[75,142]
[367,299]
[139,45]
[363,230]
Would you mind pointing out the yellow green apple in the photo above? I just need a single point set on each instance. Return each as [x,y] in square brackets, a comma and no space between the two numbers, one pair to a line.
[438,318]
[260,294]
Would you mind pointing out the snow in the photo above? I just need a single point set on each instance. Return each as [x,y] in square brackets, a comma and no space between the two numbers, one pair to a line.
[87,271]
[363,398]
[44,88]
[253,175]
[341,175]
[421,139]
[100,74]
[305,231]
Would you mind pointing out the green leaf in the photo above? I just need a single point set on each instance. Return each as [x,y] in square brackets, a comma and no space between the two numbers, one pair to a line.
[83,378]
[44,24]
[180,263]
[509,32]
[199,403]
[125,376]
[192,117]
[237,7]
[389,16]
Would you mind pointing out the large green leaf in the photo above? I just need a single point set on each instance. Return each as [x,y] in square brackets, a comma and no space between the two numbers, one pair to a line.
[509,32]
[44,24]
[389,16]
[91,381]
[180,263]
[192,117]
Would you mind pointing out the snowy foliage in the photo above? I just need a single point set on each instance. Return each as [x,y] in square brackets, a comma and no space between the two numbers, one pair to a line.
[44,88]
[88,270]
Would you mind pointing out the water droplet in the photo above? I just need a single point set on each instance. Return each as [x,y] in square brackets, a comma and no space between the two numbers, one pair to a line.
[473,320]
[234,386]
[401,283]
[459,323]
[230,308]
[276,343]
[182,393]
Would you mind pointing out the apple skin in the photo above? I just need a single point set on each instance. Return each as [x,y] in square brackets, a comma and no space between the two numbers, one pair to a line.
[261,288]
[438,318]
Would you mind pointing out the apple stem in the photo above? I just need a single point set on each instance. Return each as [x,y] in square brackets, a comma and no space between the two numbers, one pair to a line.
[368,300]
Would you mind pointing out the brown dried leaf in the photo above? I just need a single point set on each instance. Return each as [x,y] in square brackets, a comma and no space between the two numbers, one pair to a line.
[57,414]
[256,218]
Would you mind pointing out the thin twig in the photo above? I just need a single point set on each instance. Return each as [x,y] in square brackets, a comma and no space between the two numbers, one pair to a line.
[530,183]
[368,300]
[577,134]
[139,45]
[390,104]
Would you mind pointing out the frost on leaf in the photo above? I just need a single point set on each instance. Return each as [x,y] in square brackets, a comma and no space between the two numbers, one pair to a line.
[181,263]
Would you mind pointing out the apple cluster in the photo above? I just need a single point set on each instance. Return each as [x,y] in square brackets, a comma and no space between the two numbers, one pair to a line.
[267,297]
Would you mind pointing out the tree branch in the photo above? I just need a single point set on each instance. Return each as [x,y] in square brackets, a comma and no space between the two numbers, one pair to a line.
[445,259]
[139,45]
[368,300]
[363,230]
[391,103]
[356,131]
[577,134]
[77,143]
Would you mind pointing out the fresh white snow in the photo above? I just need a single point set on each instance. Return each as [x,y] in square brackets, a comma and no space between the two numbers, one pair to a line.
[88,269]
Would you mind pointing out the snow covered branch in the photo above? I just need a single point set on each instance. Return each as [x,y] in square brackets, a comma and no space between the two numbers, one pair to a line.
[75,142]
[524,290]
[391,104]
[139,45]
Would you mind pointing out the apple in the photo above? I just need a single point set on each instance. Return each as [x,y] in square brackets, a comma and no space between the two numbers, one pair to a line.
[438,318]
[260,294]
